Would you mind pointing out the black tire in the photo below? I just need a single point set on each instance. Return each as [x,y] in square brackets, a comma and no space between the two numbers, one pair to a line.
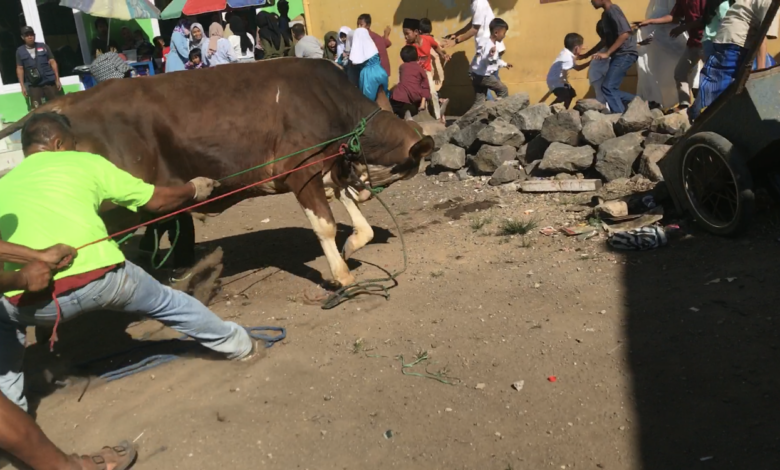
[717,183]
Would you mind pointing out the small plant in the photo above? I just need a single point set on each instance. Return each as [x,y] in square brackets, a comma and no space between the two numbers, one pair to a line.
[436,274]
[526,242]
[517,227]
[358,346]
[478,223]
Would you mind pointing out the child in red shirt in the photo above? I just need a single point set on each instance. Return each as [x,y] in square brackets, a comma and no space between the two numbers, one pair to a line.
[413,87]
[424,44]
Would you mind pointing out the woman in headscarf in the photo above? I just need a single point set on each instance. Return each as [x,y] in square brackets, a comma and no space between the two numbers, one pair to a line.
[364,56]
[198,38]
[344,35]
[274,42]
[218,50]
[330,51]
[180,47]
[243,44]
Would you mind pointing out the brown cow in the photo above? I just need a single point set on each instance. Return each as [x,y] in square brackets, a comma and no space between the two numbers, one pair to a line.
[171,128]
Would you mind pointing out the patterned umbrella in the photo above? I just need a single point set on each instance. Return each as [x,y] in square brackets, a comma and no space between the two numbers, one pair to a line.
[197,7]
[117,9]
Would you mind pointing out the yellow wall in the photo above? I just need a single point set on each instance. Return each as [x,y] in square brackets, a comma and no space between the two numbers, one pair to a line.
[534,40]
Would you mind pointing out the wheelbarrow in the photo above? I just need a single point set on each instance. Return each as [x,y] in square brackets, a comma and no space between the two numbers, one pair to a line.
[711,170]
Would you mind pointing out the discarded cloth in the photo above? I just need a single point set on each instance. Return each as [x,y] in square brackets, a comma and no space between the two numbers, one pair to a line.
[645,238]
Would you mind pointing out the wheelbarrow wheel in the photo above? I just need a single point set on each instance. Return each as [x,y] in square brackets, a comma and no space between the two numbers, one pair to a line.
[718,185]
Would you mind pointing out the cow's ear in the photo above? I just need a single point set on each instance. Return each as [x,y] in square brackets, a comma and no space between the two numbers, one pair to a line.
[422,149]
[382,101]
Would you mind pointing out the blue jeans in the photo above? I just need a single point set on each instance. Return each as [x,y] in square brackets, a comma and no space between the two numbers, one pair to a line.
[126,289]
[616,98]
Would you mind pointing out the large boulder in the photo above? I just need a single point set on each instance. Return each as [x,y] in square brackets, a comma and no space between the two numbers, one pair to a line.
[482,112]
[589,116]
[531,119]
[565,158]
[466,136]
[521,153]
[636,118]
[490,158]
[508,107]
[658,139]
[597,132]
[449,157]
[536,148]
[500,132]
[671,124]
[589,104]
[441,138]
[616,157]
[507,173]
[563,127]
[648,162]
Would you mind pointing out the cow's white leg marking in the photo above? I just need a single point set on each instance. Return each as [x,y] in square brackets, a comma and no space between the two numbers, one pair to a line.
[363,233]
[326,233]
[278,93]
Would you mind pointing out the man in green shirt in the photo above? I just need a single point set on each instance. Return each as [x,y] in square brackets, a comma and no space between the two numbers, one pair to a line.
[53,197]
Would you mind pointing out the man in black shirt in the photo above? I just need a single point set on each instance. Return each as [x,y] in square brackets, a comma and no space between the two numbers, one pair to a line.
[621,53]
[36,70]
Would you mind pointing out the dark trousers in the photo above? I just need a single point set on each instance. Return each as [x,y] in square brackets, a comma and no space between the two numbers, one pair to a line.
[482,84]
[617,99]
[400,108]
[38,93]
[565,95]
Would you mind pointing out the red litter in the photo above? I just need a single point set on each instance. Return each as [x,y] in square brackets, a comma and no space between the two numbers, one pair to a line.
[552,378]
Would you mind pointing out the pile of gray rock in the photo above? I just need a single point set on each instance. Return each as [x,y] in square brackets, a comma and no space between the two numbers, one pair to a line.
[511,140]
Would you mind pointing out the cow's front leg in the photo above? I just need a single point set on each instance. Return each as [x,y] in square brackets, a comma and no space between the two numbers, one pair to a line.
[315,205]
[363,233]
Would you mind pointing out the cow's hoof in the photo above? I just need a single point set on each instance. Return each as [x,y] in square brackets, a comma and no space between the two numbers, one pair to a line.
[345,281]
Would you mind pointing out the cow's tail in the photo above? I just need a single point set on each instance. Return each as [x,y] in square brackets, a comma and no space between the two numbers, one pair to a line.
[53,107]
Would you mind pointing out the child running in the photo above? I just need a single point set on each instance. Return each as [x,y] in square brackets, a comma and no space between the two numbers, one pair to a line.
[413,87]
[487,62]
[558,76]
[424,44]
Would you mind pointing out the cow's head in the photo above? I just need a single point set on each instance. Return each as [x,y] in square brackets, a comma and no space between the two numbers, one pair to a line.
[393,149]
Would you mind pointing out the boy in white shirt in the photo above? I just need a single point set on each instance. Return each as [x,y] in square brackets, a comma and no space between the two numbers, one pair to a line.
[487,61]
[558,76]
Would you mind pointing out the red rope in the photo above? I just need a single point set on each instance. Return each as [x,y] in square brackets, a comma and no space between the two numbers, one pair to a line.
[54,338]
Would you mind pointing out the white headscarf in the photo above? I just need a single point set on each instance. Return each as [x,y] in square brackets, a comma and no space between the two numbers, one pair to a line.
[363,47]
[342,45]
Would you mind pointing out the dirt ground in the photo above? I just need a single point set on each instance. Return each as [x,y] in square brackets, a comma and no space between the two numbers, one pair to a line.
[627,361]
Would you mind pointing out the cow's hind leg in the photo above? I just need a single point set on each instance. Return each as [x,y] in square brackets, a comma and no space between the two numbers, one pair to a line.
[315,205]
[363,233]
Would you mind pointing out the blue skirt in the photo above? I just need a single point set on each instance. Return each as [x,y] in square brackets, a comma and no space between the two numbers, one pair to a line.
[717,74]
[372,76]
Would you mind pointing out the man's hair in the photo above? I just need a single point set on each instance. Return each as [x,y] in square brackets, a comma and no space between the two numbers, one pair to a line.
[158,38]
[99,21]
[425,26]
[572,40]
[195,53]
[409,54]
[365,17]
[43,127]
[497,24]
[298,30]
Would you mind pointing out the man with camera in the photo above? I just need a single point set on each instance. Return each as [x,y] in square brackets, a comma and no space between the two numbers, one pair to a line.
[36,70]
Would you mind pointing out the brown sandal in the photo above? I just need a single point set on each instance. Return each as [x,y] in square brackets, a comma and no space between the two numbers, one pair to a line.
[122,456]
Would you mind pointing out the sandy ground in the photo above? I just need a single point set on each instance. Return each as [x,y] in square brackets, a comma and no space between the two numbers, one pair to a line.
[627,361]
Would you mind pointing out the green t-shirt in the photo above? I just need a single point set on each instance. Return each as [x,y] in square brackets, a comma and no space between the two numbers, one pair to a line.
[54,197]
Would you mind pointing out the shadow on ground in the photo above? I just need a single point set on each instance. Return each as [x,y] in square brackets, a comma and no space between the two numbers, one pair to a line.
[705,355]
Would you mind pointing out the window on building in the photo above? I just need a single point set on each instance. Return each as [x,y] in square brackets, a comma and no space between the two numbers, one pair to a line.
[59,31]
[11,22]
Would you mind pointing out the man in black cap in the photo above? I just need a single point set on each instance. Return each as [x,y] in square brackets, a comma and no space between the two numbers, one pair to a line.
[36,70]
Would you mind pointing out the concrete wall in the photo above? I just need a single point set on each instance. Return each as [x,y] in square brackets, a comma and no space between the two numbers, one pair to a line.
[534,40]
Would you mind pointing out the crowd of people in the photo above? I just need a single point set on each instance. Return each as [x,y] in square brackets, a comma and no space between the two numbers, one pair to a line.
[718,34]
